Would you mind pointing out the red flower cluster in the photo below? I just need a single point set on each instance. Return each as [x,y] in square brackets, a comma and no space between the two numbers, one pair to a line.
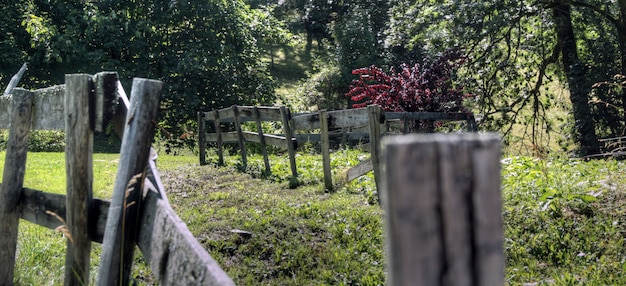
[412,89]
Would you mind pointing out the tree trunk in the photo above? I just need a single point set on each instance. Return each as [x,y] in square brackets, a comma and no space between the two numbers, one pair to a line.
[309,44]
[584,127]
[621,36]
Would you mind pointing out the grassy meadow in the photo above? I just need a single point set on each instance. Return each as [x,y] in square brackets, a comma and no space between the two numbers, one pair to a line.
[564,220]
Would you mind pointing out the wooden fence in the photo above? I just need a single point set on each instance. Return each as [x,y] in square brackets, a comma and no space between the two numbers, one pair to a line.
[323,121]
[361,124]
[139,213]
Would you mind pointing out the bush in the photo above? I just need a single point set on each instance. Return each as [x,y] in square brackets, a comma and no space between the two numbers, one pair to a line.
[46,141]
[323,90]
[421,88]
[39,141]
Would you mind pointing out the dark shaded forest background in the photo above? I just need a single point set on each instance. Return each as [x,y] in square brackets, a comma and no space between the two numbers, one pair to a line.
[524,58]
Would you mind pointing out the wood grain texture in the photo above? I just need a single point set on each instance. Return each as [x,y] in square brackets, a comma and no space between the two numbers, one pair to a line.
[455,182]
[242,143]
[202,137]
[13,180]
[413,222]
[79,108]
[35,205]
[487,215]
[259,128]
[325,146]
[122,223]
[219,140]
[442,197]
[374,118]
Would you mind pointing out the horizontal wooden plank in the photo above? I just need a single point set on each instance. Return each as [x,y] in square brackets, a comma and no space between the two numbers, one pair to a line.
[359,170]
[428,115]
[347,118]
[305,122]
[266,113]
[336,119]
[223,114]
[270,139]
[48,111]
[307,137]
[35,205]
[246,115]
[227,137]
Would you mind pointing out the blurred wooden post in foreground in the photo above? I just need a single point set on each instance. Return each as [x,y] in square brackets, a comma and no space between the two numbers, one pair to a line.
[441,194]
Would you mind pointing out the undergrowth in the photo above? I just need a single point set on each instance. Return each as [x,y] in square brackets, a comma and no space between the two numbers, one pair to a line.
[564,221]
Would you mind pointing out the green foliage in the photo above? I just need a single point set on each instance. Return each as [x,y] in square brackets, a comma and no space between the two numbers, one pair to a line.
[39,140]
[208,53]
[46,141]
[563,220]
[41,251]
[299,237]
[323,90]
[514,66]
[357,35]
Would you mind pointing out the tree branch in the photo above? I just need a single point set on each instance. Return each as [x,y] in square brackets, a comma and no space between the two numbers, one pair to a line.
[604,13]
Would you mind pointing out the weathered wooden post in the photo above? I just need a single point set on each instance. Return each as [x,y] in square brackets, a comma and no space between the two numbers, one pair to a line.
[79,100]
[13,180]
[291,149]
[375,114]
[325,146]
[242,141]
[220,143]
[15,80]
[443,209]
[121,228]
[259,128]
[202,137]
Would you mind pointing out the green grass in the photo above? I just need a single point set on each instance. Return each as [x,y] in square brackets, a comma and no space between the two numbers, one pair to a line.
[41,251]
[564,221]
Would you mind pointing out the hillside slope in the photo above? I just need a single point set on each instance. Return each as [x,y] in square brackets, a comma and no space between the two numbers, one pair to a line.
[263,233]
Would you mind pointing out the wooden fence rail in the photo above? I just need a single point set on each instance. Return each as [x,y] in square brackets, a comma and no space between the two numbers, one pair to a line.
[88,104]
[443,210]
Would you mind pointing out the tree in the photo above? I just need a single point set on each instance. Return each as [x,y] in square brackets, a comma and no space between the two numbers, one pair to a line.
[204,51]
[575,72]
[514,47]
[358,35]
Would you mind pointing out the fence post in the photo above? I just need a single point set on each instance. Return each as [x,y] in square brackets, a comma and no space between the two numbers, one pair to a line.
[443,209]
[79,100]
[13,180]
[471,123]
[374,113]
[259,127]
[286,119]
[325,146]
[121,228]
[242,141]
[220,144]
[15,79]
[202,137]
